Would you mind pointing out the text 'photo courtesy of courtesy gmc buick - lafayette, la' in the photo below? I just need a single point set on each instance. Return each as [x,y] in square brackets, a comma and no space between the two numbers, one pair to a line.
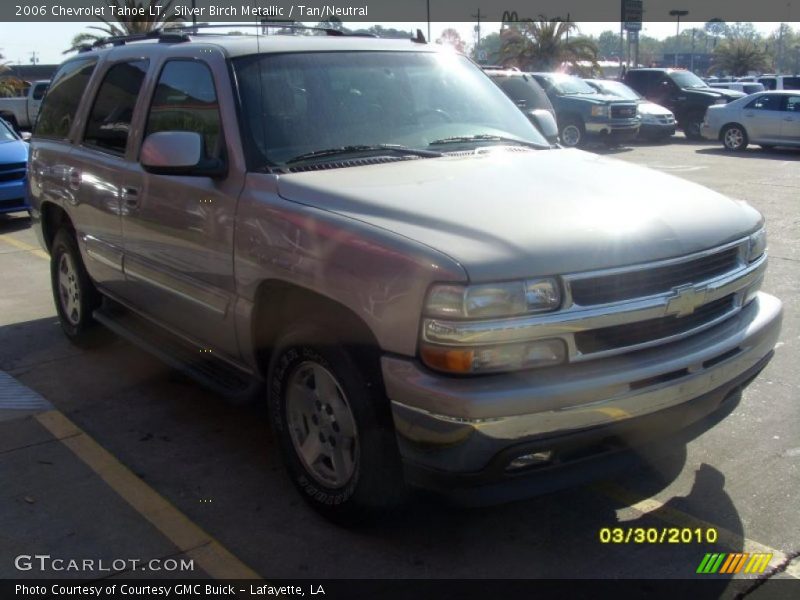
[372,239]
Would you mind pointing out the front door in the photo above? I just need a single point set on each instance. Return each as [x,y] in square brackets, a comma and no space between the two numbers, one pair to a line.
[762,118]
[179,231]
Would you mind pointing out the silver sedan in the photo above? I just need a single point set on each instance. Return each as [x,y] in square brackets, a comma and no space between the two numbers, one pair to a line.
[766,118]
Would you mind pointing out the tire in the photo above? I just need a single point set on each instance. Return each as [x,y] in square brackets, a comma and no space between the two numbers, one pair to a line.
[572,133]
[333,425]
[73,291]
[734,138]
[692,127]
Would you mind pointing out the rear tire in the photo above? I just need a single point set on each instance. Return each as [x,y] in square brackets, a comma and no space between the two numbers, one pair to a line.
[334,427]
[692,127]
[74,294]
[734,138]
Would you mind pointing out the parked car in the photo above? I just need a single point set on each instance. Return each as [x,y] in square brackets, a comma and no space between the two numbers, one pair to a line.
[582,113]
[657,123]
[13,167]
[682,92]
[368,236]
[780,82]
[744,87]
[20,111]
[527,94]
[767,119]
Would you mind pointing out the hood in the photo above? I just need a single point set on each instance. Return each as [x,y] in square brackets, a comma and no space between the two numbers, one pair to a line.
[717,93]
[506,214]
[651,108]
[13,152]
[601,98]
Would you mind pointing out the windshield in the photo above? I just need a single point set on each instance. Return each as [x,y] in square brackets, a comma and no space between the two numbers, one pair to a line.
[298,104]
[687,79]
[619,89]
[6,135]
[568,84]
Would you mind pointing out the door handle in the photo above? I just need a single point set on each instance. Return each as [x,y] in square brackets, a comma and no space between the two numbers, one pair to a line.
[130,196]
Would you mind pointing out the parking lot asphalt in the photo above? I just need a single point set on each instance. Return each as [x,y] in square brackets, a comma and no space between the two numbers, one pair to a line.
[157,449]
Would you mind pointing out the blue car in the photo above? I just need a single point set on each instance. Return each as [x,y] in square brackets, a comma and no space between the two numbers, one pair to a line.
[13,169]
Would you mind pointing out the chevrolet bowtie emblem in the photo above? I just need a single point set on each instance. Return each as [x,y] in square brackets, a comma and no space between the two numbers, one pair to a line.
[685,301]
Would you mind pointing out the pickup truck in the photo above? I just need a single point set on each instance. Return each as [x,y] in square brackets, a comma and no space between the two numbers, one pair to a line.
[20,111]
[584,113]
[371,239]
[682,92]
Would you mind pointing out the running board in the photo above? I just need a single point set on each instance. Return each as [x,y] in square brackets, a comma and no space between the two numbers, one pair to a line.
[212,372]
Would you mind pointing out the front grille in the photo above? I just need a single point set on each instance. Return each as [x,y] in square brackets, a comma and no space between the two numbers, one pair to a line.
[14,176]
[12,167]
[602,289]
[632,334]
[623,112]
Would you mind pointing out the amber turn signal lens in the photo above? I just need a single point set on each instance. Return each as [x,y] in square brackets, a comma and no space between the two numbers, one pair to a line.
[447,359]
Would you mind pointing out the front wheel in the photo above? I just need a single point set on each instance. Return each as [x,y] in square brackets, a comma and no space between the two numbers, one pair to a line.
[734,137]
[74,293]
[333,425]
[572,133]
[692,128]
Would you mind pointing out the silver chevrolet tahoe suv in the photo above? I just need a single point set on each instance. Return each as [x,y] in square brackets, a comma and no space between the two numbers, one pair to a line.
[370,237]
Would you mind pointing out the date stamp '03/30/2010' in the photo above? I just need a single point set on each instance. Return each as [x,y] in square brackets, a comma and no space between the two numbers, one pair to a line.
[658,535]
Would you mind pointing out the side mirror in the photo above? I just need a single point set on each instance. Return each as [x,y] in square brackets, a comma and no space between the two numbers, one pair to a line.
[178,153]
[545,123]
[26,136]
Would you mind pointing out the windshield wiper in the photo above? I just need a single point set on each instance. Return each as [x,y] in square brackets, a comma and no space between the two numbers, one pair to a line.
[486,137]
[363,148]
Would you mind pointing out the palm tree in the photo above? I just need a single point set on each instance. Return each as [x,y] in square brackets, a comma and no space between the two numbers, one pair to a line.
[137,24]
[545,45]
[739,56]
[9,86]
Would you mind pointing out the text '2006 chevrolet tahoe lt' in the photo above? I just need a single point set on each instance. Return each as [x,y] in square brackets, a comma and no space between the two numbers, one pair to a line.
[429,293]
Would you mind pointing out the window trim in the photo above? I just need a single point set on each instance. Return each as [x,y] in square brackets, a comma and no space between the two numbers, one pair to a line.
[103,150]
[781,103]
[154,90]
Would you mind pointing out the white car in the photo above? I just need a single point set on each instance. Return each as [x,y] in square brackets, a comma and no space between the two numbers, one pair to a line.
[766,118]
[658,123]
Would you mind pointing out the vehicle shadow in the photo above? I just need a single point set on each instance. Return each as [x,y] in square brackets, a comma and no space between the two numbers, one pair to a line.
[782,154]
[10,224]
[190,446]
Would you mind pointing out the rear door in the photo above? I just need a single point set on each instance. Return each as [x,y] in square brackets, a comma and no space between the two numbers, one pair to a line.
[790,125]
[35,100]
[179,230]
[762,118]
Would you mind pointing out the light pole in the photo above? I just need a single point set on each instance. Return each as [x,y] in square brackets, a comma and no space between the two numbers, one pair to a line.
[678,14]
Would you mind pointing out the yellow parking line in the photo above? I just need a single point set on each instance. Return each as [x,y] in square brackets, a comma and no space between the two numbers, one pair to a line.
[207,552]
[35,250]
[726,537]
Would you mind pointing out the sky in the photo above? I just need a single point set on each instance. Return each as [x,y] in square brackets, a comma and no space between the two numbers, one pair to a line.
[49,40]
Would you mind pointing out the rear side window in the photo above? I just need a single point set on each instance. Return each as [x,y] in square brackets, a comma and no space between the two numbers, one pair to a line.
[186,100]
[62,101]
[766,102]
[791,83]
[39,90]
[525,93]
[110,119]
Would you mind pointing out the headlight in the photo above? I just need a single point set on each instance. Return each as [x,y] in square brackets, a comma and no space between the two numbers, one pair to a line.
[757,245]
[454,313]
[493,300]
[599,110]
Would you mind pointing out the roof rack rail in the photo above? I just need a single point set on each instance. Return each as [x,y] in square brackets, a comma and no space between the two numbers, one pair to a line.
[164,36]
[193,29]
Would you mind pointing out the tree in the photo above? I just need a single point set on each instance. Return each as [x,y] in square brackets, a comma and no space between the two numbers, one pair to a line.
[546,45]
[608,45]
[9,86]
[491,45]
[739,56]
[144,23]
[451,37]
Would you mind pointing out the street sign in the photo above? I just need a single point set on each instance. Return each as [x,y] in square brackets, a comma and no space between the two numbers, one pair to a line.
[633,36]
[482,56]
[631,14]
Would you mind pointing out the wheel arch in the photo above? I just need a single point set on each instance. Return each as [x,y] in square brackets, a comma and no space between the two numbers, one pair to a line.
[731,124]
[53,217]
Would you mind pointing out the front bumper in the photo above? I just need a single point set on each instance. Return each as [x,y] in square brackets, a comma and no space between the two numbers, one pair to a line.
[657,130]
[471,428]
[12,196]
[708,132]
[618,131]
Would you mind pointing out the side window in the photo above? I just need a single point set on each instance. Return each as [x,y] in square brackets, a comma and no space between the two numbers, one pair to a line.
[765,102]
[61,103]
[791,83]
[111,115]
[185,100]
[793,104]
[39,90]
